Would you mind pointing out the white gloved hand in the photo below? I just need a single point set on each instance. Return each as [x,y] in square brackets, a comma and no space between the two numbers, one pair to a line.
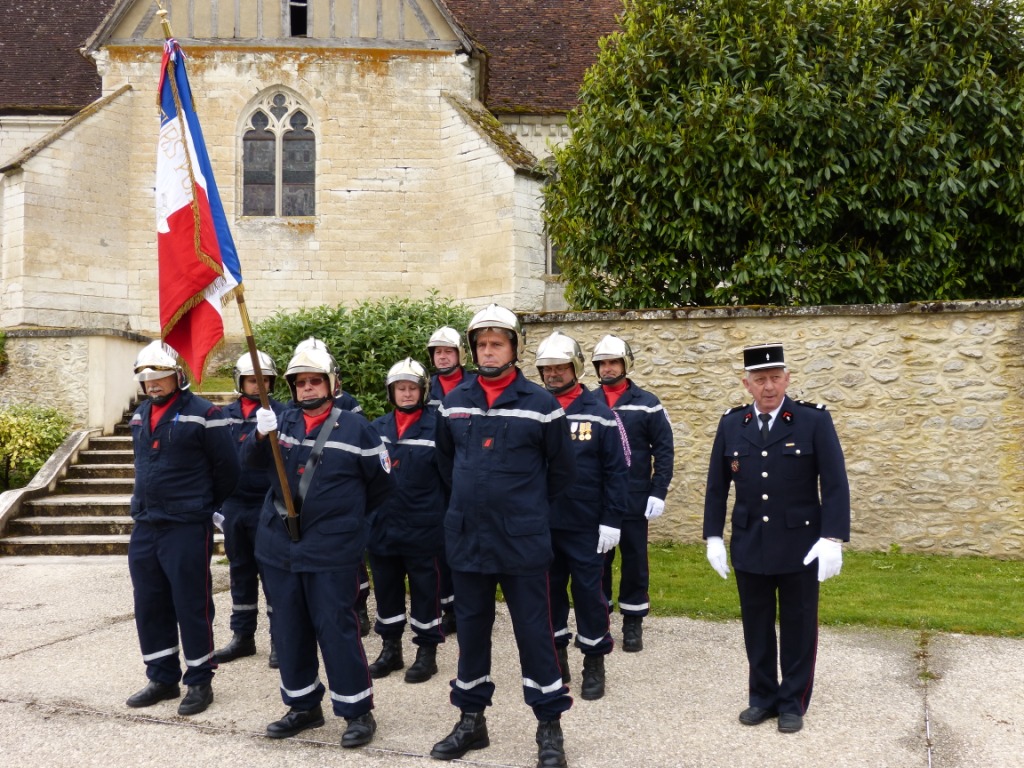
[655,507]
[607,538]
[266,421]
[716,556]
[830,558]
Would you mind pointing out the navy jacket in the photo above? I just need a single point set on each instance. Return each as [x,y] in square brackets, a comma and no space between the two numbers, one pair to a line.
[352,479]
[504,464]
[778,514]
[410,521]
[253,483]
[186,466]
[601,491]
[436,392]
[652,449]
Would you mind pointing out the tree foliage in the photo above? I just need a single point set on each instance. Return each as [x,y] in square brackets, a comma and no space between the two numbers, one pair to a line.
[366,341]
[28,435]
[796,152]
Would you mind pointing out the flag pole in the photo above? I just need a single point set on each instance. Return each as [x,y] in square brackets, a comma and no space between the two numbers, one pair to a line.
[292,519]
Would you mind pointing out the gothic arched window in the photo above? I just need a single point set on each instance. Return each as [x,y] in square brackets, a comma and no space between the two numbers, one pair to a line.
[278,159]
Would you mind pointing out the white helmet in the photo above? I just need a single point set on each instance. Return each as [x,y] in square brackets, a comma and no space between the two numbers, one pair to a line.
[311,343]
[446,336]
[244,368]
[312,360]
[611,347]
[558,349]
[314,343]
[158,361]
[498,318]
[407,370]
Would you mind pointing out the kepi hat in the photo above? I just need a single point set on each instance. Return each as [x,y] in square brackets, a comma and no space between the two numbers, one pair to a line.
[763,356]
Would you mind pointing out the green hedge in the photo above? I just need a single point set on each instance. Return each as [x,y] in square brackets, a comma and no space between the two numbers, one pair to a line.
[28,435]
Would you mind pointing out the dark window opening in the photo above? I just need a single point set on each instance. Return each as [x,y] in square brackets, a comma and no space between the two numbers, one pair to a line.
[298,15]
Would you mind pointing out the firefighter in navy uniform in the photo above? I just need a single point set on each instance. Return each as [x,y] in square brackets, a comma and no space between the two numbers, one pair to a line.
[504,445]
[345,402]
[586,518]
[791,507]
[185,467]
[407,534]
[447,355]
[338,472]
[241,513]
[652,454]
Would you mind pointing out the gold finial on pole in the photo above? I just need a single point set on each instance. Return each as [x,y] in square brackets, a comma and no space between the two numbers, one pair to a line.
[162,13]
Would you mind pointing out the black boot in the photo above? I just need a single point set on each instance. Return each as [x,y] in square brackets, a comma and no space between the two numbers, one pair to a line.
[632,633]
[239,646]
[550,745]
[390,658]
[152,693]
[364,620]
[469,733]
[563,662]
[593,678]
[198,698]
[425,666]
[360,730]
[448,621]
[272,661]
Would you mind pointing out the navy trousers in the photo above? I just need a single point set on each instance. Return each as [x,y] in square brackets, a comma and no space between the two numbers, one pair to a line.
[527,598]
[240,545]
[424,573]
[635,579]
[319,609]
[170,571]
[577,562]
[795,597]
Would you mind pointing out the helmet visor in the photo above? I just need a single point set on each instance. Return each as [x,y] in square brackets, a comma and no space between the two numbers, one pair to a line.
[151,373]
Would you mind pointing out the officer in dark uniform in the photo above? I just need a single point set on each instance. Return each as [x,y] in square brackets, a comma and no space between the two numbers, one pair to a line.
[338,472]
[185,467]
[447,356]
[241,513]
[504,444]
[791,507]
[407,533]
[586,518]
[650,472]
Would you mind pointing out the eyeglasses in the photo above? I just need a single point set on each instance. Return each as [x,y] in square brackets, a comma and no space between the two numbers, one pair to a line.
[311,381]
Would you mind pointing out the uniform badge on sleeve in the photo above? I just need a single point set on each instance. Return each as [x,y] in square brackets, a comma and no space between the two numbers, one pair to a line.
[385,460]
[735,466]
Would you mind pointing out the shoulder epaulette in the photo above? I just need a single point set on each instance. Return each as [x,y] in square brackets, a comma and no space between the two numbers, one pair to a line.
[808,404]
[737,408]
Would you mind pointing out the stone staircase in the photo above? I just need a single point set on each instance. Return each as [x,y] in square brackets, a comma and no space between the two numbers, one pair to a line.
[89,512]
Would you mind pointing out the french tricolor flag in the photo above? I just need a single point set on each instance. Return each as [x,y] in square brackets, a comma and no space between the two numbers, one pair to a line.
[198,263]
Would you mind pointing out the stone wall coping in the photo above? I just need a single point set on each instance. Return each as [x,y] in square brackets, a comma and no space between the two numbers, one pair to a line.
[41,333]
[711,313]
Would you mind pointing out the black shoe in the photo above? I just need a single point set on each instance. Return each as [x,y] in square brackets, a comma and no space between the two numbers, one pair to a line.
[296,721]
[632,633]
[390,659]
[593,678]
[360,730]
[757,715]
[469,733]
[153,692]
[448,621]
[239,646]
[790,723]
[196,700]
[272,661]
[550,745]
[364,621]
[425,666]
[563,662]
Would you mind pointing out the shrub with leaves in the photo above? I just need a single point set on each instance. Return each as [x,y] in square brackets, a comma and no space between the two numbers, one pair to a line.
[28,435]
[366,340]
[796,152]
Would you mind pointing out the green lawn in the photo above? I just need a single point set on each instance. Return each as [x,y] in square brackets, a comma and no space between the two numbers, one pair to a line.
[973,595]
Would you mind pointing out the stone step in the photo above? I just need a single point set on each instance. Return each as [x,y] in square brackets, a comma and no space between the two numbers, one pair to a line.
[111,443]
[77,505]
[71,526]
[106,457]
[98,471]
[116,544]
[96,485]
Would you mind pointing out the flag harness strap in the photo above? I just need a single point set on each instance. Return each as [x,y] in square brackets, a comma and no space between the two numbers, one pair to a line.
[312,463]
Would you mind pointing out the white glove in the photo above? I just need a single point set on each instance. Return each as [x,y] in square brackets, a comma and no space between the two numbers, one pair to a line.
[218,521]
[266,421]
[716,556]
[655,507]
[830,558]
[607,538]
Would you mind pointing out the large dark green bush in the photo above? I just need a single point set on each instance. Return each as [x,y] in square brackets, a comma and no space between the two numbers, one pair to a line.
[366,340]
[796,152]
[28,435]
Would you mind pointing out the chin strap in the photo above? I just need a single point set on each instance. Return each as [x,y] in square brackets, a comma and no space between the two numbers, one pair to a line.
[490,372]
[612,382]
[562,389]
[312,405]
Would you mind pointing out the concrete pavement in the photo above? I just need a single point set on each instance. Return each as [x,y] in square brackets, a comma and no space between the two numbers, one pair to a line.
[69,658]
